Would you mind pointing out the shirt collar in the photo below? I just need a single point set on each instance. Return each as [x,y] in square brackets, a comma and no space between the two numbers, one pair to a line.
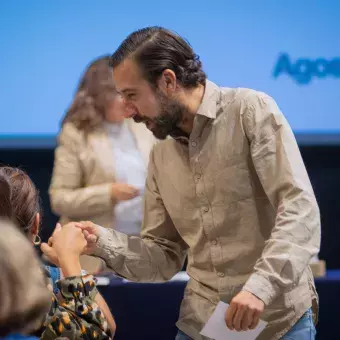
[207,108]
[210,99]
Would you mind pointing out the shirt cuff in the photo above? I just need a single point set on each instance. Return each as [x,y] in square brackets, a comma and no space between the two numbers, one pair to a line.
[262,288]
[77,287]
[104,243]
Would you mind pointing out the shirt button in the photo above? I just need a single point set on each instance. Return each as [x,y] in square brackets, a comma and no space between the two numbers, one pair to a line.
[214,242]
[206,209]
[198,176]
[220,274]
[193,143]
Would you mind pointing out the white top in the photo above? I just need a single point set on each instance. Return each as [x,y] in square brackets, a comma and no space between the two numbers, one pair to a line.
[129,169]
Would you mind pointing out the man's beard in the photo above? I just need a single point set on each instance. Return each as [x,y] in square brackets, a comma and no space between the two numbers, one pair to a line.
[170,116]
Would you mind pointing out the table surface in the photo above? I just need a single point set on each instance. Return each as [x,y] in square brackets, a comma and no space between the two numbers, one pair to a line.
[332,275]
[113,280]
[152,308]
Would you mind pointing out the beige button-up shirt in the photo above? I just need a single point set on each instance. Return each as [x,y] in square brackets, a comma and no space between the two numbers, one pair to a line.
[236,198]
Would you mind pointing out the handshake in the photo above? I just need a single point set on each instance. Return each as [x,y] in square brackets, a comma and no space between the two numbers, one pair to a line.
[67,243]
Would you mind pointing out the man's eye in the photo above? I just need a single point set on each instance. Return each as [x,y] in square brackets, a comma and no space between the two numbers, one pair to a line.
[131,95]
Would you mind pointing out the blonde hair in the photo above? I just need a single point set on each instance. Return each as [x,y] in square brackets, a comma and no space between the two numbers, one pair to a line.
[24,296]
[95,90]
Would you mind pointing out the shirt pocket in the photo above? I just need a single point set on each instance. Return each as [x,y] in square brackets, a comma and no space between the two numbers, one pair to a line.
[232,180]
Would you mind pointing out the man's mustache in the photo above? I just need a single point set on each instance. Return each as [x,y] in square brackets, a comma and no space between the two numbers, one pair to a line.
[139,119]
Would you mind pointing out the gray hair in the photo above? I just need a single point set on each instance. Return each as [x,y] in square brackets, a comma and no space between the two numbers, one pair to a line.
[25,298]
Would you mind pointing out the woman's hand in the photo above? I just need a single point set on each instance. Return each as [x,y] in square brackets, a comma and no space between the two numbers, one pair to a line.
[64,248]
[47,249]
[123,192]
[69,241]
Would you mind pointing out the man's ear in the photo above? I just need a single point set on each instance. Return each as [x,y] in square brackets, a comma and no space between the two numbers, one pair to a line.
[167,82]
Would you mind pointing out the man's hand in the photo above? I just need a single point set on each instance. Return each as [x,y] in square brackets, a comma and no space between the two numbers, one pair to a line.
[91,233]
[244,312]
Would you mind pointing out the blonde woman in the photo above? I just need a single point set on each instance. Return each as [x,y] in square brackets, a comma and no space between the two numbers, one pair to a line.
[101,159]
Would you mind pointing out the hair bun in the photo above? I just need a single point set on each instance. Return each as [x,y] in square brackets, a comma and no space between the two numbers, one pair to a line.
[194,64]
[192,72]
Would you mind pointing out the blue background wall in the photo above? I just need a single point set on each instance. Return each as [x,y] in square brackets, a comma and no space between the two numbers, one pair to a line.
[45,46]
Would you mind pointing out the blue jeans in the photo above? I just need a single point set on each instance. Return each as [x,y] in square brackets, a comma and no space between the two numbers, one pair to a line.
[303,330]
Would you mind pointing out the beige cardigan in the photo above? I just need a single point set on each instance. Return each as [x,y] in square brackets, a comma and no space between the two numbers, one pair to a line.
[84,171]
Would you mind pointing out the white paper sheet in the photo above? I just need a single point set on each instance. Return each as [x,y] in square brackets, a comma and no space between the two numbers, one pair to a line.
[216,328]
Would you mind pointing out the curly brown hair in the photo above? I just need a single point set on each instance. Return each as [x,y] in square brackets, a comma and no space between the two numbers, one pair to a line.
[94,92]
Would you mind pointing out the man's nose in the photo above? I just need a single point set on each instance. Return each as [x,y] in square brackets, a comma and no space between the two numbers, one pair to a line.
[129,113]
[130,110]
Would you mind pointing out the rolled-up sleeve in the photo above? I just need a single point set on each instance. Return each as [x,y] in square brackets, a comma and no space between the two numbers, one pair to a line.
[295,236]
[155,256]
